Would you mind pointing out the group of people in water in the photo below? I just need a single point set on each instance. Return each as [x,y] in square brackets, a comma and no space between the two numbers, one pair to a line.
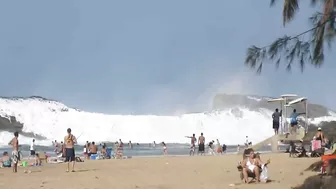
[213,149]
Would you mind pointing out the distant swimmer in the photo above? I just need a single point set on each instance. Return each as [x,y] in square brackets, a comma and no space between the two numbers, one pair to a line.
[69,142]
[165,152]
[201,147]
[276,120]
[192,144]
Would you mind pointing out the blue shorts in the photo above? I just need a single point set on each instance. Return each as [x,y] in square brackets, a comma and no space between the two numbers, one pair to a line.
[69,154]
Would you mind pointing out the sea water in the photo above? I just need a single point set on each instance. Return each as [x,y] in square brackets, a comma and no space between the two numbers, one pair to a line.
[137,150]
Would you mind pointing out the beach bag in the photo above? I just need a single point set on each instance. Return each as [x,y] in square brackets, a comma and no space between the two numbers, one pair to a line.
[264,174]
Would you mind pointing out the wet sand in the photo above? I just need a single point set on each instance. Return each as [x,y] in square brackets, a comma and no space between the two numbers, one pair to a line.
[209,172]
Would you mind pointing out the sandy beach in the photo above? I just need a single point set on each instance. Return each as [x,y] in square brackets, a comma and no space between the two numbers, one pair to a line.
[209,172]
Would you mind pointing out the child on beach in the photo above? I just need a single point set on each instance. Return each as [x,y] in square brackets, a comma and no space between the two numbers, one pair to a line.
[6,161]
[37,160]
[164,149]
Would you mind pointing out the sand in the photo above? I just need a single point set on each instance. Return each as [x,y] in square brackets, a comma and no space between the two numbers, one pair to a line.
[208,172]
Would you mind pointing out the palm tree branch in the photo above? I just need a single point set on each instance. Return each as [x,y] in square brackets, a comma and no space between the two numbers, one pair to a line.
[293,48]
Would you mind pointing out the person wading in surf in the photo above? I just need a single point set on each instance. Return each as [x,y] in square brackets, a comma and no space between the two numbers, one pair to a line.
[201,147]
[70,141]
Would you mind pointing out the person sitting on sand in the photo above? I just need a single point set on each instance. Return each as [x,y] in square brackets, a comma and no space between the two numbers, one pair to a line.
[252,164]
[119,154]
[6,161]
[301,150]
[103,151]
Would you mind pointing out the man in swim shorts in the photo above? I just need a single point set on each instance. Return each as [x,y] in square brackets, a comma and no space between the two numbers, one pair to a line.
[276,120]
[201,141]
[69,142]
[15,153]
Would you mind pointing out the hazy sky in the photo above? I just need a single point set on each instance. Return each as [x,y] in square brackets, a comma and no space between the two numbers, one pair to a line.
[148,56]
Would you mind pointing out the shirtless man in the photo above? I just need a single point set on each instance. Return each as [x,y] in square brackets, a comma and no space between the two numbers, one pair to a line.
[201,141]
[15,153]
[69,142]
[93,148]
[192,144]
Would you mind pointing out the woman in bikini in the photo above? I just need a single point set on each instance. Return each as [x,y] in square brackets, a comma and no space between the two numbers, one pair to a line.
[252,164]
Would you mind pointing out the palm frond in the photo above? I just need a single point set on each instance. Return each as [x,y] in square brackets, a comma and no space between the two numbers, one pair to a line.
[293,49]
[289,10]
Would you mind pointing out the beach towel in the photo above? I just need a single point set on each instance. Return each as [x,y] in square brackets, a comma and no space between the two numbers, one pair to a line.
[264,174]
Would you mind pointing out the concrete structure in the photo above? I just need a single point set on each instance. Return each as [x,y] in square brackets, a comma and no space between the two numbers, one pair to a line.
[286,102]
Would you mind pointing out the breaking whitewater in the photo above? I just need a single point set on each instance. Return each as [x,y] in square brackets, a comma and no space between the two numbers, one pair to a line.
[47,120]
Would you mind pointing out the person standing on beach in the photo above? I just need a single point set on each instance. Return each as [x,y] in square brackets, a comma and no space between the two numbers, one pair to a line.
[276,120]
[32,148]
[165,152]
[55,144]
[70,141]
[247,142]
[201,147]
[15,153]
[192,144]
[294,121]
[130,145]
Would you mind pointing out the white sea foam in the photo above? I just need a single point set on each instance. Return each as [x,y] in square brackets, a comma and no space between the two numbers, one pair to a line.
[51,119]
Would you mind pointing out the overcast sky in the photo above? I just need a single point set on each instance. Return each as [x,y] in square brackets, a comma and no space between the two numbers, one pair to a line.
[148,56]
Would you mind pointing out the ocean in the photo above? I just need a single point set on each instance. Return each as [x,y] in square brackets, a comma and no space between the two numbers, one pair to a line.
[141,150]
